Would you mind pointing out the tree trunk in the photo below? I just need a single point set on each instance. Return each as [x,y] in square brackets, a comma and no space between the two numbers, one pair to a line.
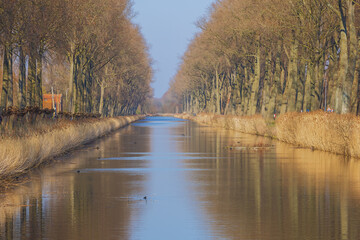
[76,82]
[227,101]
[247,91]
[352,57]
[191,103]
[342,96]
[358,85]
[300,87]
[307,95]
[256,83]
[279,99]
[358,97]
[31,78]
[354,90]
[276,87]
[293,77]
[102,91]
[38,87]
[7,91]
[218,104]
[22,78]
[267,94]
[80,84]
[71,78]
[89,86]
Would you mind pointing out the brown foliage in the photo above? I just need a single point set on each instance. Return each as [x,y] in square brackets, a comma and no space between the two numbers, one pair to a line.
[69,43]
[272,56]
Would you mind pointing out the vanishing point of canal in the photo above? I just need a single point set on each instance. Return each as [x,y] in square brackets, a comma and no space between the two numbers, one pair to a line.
[166,178]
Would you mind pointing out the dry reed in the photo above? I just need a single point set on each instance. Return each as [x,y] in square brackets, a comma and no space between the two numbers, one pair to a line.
[328,132]
[18,155]
[253,125]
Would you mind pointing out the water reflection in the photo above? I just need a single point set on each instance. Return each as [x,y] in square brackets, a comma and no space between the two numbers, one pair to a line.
[199,183]
[280,193]
[60,203]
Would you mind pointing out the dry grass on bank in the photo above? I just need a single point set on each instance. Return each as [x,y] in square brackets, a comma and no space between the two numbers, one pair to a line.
[253,125]
[320,130]
[328,132]
[21,154]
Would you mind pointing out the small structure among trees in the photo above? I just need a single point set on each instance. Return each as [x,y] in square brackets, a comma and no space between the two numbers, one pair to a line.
[53,101]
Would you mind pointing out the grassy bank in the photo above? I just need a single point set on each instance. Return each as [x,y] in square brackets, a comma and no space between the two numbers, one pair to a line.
[329,132]
[19,154]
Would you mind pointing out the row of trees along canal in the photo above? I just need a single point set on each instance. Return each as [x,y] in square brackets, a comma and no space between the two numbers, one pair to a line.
[88,50]
[272,56]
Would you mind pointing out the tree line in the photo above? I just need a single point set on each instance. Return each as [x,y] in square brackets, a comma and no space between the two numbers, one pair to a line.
[88,50]
[272,56]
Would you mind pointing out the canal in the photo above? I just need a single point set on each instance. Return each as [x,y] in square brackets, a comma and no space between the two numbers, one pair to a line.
[166,178]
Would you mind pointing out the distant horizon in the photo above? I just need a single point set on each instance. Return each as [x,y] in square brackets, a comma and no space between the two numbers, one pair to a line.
[168,28]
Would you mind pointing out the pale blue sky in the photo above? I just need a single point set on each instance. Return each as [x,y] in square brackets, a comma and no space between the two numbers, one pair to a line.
[168,26]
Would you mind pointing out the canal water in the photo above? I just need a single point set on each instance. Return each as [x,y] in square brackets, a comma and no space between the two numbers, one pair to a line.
[166,178]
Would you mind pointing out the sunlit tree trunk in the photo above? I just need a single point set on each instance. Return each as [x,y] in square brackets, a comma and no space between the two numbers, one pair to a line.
[276,92]
[111,107]
[300,87]
[352,58]
[293,76]
[316,85]
[357,94]
[184,103]
[271,106]
[247,90]
[102,91]
[7,86]
[288,101]
[89,85]
[31,78]
[212,102]
[358,97]
[80,84]
[354,89]
[76,83]
[308,78]
[22,78]
[240,107]
[71,57]
[256,83]
[228,99]
[218,101]
[38,84]
[279,99]
[267,93]
[342,97]
[355,86]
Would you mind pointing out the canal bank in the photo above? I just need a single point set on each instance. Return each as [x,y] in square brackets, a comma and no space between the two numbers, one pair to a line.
[330,132]
[19,155]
